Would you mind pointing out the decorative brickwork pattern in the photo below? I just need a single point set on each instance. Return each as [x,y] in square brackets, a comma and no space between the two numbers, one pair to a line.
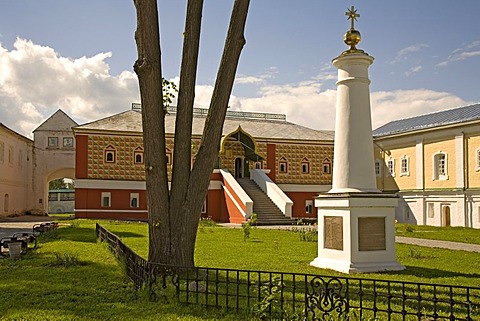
[123,168]
[296,154]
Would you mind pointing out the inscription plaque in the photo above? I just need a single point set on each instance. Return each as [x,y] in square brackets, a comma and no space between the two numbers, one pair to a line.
[371,234]
[333,232]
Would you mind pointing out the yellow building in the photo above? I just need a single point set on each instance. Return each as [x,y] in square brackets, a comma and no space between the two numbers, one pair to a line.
[433,163]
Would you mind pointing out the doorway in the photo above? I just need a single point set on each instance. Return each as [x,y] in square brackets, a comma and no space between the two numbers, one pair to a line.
[446,216]
[238,167]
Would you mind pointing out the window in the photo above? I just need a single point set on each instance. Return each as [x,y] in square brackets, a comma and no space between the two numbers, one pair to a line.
[67,141]
[404,166]
[53,196]
[5,202]
[52,141]
[134,200]
[327,166]
[440,166]
[67,196]
[258,165]
[431,210]
[138,155]
[2,152]
[169,156]
[477,161]
[305,166]
[283,165]
[11,151]
[391,167]
[308,207]
[378,168]
[106,199]
[110,154]
[20,158]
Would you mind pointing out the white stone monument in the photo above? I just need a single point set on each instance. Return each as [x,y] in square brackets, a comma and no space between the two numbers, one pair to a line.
[356,222]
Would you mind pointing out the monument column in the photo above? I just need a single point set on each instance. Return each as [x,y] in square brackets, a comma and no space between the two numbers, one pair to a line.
[356,228]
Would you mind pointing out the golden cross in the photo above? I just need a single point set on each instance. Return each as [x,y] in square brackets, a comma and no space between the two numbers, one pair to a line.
[352,15]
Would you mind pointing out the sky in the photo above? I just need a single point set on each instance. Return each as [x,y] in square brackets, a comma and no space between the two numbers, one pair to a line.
[78,56]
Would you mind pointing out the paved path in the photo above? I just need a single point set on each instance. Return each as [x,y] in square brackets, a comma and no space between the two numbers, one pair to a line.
[439,244]
[11,225]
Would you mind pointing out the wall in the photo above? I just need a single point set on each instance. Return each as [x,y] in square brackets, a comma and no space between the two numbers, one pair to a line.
[16,173]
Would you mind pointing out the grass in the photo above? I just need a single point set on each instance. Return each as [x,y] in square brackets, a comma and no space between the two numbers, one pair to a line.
[453,234]
[71,277]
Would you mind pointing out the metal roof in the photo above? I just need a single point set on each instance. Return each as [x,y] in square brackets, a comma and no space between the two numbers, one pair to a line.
[437,119]
[131,121]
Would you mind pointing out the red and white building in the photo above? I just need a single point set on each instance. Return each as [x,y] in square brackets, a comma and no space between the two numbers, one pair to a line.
[290,163]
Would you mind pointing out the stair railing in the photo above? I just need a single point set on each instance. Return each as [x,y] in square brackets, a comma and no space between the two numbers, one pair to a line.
[278,197]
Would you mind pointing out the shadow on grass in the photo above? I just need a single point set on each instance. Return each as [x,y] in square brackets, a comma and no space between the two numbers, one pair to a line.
[128,234]
[78,234]
[423,272]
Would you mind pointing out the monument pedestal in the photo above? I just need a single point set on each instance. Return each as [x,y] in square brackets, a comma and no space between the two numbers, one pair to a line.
[356,232]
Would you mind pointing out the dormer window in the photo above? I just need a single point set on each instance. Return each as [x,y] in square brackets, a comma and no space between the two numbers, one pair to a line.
[110,154]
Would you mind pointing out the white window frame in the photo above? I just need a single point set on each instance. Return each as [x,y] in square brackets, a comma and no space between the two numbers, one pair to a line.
[106,195]
[135,196]
[405,171]
[437,174]
[391,169]
[378,168]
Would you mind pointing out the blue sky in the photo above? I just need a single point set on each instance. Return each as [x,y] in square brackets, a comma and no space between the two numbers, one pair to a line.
[78,56]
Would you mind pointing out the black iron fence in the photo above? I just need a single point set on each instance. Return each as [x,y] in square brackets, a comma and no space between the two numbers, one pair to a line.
[296,296]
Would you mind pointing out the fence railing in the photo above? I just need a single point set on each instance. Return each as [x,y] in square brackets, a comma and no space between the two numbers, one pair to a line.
[286,296]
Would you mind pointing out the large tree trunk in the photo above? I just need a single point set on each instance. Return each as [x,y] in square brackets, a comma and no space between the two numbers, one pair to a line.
[173,218]
[148,69]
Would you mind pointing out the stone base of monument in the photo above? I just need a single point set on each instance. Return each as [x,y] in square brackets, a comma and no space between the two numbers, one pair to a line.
[356,232]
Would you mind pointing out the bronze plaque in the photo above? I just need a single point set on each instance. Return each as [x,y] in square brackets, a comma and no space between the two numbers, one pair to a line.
[333,232]
[371,234]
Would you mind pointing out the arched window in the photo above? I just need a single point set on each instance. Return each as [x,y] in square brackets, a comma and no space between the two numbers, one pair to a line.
[5,202]
[327,166]
[283,165]
[138,155]
[110,154]
[305,166]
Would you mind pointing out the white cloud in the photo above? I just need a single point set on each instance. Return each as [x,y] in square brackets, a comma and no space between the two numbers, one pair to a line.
[398,104]
[248,80]
[462,53]
[413,70]
[404,54]
[35,81]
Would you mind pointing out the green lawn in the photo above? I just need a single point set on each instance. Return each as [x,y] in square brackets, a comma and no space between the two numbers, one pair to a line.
[453,234]
[72,277]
